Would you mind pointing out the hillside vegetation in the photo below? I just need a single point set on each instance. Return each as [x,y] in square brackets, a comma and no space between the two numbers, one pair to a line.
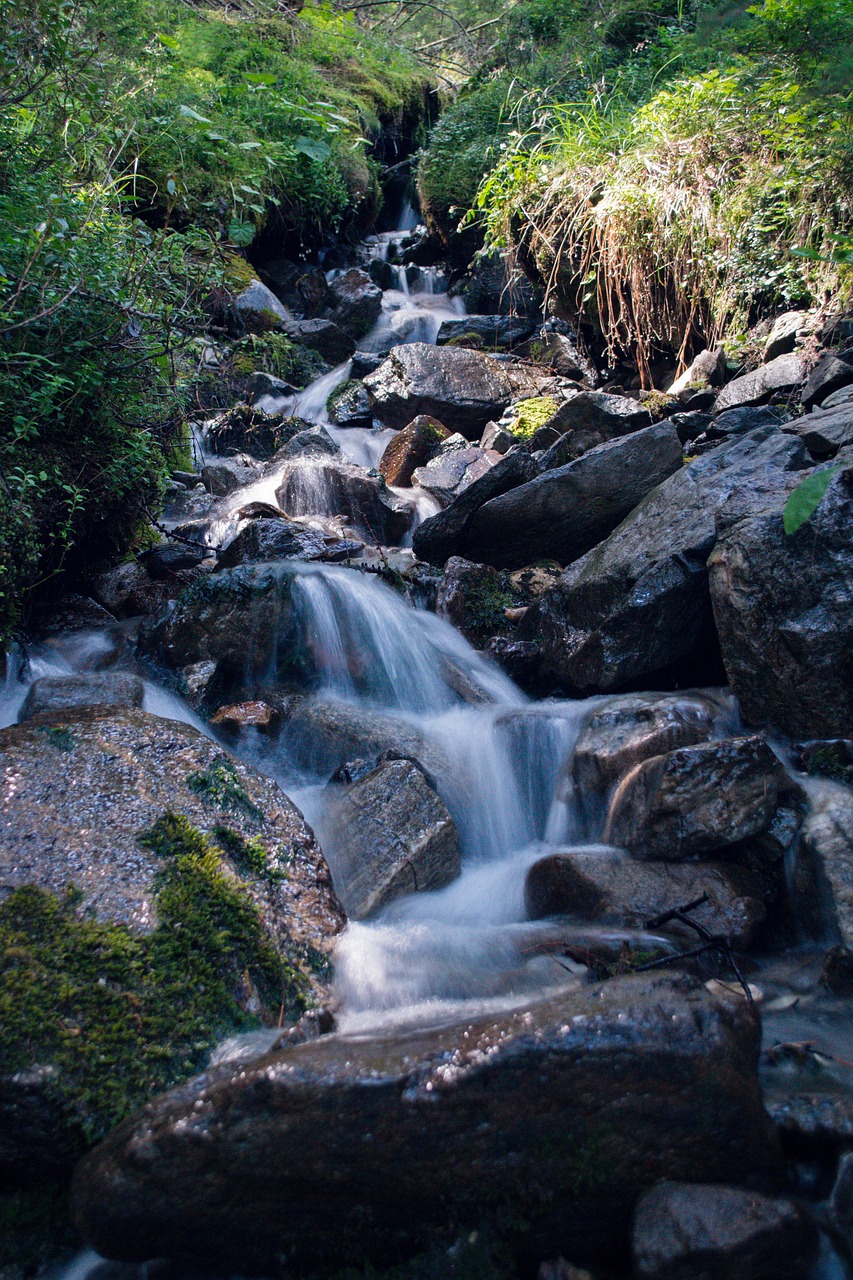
[141,145]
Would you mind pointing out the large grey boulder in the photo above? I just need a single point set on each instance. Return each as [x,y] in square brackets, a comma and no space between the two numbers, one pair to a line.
[783,607]
[224,476]
[684,1231]
[454,468]
[697,799]
[51,694]
[462,388]
[273,539]
[563,513]
[354,302]
[259,309]
[331,486]
[783,374]
[601,883]
[589,418]
[344,1152]
[823,880]
[830,374]
[441,535]
[826,431]
[492,331]
[323,736]
[323,336]
[388,834]
[783,335]
[640,600]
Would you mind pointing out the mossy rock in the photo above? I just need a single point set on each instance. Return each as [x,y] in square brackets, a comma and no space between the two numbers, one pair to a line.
[531,415]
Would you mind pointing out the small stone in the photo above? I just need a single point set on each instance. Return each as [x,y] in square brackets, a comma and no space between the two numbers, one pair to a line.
[248,715]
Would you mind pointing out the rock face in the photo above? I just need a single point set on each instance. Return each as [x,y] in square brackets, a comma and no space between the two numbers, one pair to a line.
[280,539]
[390,835]
[640,600]
[354,302]
[603,884]
[684,1231]
[462,388]
[332,487]
[412,447]
[630,729]
[696,799]
[567,1110]
[80,789]
[565,512]
[60,693]
[783,606]
[784,374]
[441,535]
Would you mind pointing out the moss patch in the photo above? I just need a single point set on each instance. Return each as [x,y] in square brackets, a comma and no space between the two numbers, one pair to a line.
[220,784]
[531,415]
[120,1016]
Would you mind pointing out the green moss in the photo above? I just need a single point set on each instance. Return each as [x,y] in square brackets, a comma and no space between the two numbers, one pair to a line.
[59,737]
[486,600]
[237,273]
[531,415]
[248,855]
[220,784]
[122,1016]
[276,354]
[474,340]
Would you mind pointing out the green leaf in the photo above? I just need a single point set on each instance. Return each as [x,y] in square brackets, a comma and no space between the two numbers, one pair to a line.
[193,115]
[806,498]
[168,41]
[241,233]
[258,77]
[248,146]
[314,148]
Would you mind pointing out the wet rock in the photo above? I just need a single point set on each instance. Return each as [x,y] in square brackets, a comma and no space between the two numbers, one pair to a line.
[53,694]
[248,715]
[260,383]
[127,591]
[222,478]
[829,374]
[364,362]
[349,406]
[696,799]
[324,736]
[313,290]
[252,431]
[565,512]
[462,388]
[690,425]
[492,331]
[382,274]
[390,835]
[707,370]
[411,448]
[784,374]
[567,1110]
[498,438]
[640,600]
[590,418]
[562,354]
[813,1119]
[167,559]
[454,468]
[441,535]
[491,287]
[837,971]
[826,431]
[354,302]
[783,335]
[323,336]
[824,871]
[684,1231]
[783,607]
[80,788]
[600,883]
[279,539]
[826,758]
[737,422]
[258,309]
[474,597]
[633,728]
[313,442]
[69,612]
[332,487]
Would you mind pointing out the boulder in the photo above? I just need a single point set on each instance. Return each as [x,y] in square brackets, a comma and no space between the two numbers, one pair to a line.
[497,437]
[260,384]
[349,406]
[257,308]
[68,612]
[411,448]
[782,375]
[462,388]
[453,469]
[823,880]
[168,559]
[783,607]
[222,478]
[279,539]
[565,512]
[388,835]
[323,736]
[707,370]
[333,487]
[313,442]
[565,1110]
[440,535]
[640,601]
[323,336]
[127,590]
[737,422]
[354,302]
[841,1200]
[603,884]
[493,331]
[259,434]
[313,290]
[696,799]
[248,715]
[560,352]
[629,729]
[474,598]
[685,1231]
[783,335]
[52,694]
[828,375]
[588,418]
[825,431]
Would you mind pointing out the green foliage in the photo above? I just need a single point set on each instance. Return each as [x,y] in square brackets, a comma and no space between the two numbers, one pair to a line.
[121,1016]
[461,147]
[220,784]
[531,415]
[248,854]
[806,498]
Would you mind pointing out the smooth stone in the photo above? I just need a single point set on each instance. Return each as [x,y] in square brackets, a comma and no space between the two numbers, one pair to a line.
[440,535]
[825,431]
[222,478]
[276,539]
[411,448]
[829,375]
[323,336]
[52,694]
[462,388]
[784,374]
[823,876]
[354,302]
[707,370]
[783,335]
[259,309]
[493,331]
[332,486]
